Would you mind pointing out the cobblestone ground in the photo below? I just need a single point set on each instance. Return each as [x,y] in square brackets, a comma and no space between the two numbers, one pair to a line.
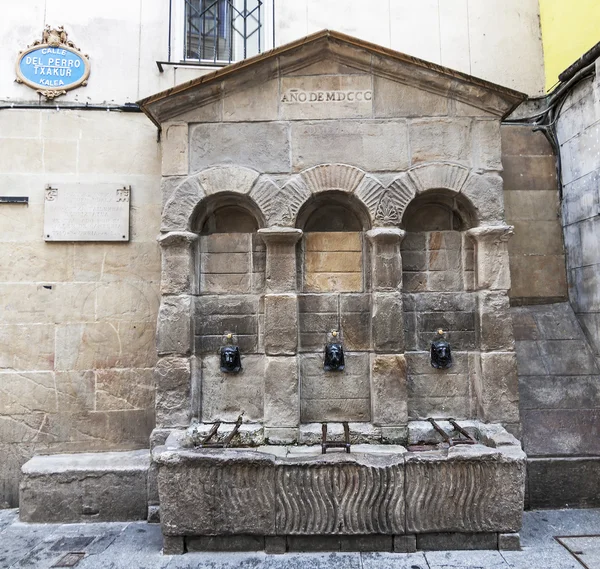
[138,546]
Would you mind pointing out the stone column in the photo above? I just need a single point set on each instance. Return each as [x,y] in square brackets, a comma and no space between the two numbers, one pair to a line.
[174,333]
[386,284]
[281,389]
[178,273]
[388,366]
[495,375]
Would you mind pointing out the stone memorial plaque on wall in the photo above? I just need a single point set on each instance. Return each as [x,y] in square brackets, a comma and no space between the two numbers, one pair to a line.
[86,213]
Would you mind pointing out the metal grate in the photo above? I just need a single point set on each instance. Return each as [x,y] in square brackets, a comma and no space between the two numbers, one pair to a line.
[223,31]
[70,559]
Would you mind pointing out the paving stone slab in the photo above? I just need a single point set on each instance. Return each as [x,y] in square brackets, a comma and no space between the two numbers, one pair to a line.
[138,546]
[394,561]
[548,558]
[585,549]
[467,560]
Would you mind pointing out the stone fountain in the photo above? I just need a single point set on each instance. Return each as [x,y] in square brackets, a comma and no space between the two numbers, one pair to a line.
[312,252]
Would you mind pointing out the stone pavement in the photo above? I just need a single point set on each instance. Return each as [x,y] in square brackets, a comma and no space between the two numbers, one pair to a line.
[138,546]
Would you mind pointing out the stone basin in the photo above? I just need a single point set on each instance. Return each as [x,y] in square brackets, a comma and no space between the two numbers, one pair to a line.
[376,489]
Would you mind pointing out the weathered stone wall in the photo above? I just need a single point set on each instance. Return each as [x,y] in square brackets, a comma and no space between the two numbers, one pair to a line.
[77,320]
[256,142]
[578,133]
[537,256]
[559,384]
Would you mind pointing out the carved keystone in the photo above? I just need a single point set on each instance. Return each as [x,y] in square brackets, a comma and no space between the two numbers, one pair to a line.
[177,262]
[491,256]
[280,275]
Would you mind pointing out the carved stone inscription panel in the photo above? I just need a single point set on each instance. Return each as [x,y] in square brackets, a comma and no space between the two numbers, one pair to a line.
[86,213]
[326,96]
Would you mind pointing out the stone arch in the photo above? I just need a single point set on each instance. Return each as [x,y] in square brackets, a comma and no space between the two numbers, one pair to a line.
[237,212]
[331,206]
[180,208]
[480,194]
[394,200]
[440,175]
[281,205]
[327,177]
[439,209]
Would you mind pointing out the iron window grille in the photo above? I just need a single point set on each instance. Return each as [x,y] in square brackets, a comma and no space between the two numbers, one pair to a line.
[217,32]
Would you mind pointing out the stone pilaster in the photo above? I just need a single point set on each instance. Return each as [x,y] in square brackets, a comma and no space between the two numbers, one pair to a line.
[172,377]
[175,149]
[496,388]
[387,318]
[388,390]
[491,256]
[280,273]
[178,274]
[282,393]
[281,387]
[386,259]
[174,336]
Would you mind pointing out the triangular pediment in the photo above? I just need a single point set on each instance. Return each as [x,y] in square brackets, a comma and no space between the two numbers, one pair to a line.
[324,69]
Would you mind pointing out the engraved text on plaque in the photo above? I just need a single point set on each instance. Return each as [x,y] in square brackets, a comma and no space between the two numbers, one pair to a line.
[87,213]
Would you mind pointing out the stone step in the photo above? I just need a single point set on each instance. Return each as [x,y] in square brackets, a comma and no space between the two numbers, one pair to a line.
[86,487]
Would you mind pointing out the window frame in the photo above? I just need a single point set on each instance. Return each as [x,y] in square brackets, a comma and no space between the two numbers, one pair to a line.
[177,35]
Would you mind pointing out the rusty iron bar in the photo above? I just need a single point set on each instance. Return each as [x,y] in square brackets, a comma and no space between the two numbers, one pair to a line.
[236,428]
[441,431]
[470,439]
[211,434]
[325,444]
[213,431]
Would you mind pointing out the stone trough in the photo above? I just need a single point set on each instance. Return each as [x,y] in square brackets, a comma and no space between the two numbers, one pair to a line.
[294,497]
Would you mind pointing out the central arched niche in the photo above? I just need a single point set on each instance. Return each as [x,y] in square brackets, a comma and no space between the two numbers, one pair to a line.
[437,262]
[333,285]
[230,266]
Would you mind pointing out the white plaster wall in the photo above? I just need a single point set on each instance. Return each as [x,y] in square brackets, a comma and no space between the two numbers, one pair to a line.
[498,40]
[123,38]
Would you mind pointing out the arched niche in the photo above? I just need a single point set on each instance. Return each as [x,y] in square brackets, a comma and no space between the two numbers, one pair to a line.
[227,212]
[438,258]
[439,210]
[332,251]
[231,257]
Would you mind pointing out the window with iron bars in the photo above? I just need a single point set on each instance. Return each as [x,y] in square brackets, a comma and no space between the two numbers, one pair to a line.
[219,32]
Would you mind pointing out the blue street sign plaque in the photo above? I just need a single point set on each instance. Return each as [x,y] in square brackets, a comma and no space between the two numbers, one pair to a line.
[54,65]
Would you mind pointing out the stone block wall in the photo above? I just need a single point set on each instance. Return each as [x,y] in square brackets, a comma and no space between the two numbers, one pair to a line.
[77,320]
[437,261]
[333,262]
[231,263]
[559,384]
[531,198]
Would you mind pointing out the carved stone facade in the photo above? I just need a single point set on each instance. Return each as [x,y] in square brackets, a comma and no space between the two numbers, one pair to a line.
[252,252]
[290,225]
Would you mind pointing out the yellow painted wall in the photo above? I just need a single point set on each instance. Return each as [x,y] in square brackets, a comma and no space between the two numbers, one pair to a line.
[569,29]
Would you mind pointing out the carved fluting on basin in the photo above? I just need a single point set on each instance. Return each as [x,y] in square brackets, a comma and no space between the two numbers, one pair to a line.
[463,495]
[339,499]
[379,490]
[215,497]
